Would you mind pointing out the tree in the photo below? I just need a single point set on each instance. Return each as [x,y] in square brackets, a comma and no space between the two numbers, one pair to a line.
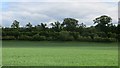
[81,28]
[68,30]
[57,26]
[29,25]
[43,26]
[102,22]
[82,25]
[15,24]
[70,23]
[112,28]
[38,27]
[118,27]
[118,31]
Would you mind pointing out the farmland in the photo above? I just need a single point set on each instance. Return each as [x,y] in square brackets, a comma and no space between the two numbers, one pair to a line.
[48,53]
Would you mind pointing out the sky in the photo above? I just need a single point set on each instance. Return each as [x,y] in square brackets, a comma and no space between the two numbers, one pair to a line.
[59,0]
[49,11]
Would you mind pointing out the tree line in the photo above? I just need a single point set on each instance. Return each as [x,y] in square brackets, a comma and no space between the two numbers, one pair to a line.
[68,30]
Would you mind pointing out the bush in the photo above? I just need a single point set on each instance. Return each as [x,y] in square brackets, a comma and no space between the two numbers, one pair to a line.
[28,33]
[70,38]
[118,37]
[112,39]
[65,36]
[25,37]
[8,38]
[82,38]
[37,37]
[10,33]
[99,39]
[112,35]
[102,34]
[49,38]
[41,38]
[74,34]
[54,35]
[0,37]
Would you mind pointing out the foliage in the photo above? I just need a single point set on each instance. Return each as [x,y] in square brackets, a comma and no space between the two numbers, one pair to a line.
[57,26]
[8,38]
[103,22]
[65,36]
[100,39]
[70,24]
[25,37]
[82,38]
[37,37]
[68,30]
[15,24]
[29,25]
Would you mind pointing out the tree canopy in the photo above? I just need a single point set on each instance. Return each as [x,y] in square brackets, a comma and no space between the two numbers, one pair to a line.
[68,30]
[103,22]
[15,24]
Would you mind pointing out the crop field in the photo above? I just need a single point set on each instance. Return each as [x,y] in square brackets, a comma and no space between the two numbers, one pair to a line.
[46,53]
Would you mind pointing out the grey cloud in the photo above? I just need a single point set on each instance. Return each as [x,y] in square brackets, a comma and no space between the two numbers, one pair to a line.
[47,12]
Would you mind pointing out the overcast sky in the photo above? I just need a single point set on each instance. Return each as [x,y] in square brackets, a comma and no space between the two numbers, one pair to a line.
[48,11]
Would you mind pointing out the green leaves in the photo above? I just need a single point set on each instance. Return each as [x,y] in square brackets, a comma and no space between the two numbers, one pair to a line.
[15,24]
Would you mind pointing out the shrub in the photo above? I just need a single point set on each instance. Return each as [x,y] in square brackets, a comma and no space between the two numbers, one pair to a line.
[37,37]
[74,34]
[55,35]
[65,36]
[42,38]
[49,38]
[118,37]
[0,37]
[102,34]
[110,40]
[82,38]
[70,38]
[8,38]
[99,39]
[111,35]
[25,37]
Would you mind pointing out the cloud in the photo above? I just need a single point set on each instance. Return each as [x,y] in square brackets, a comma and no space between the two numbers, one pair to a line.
[48,12]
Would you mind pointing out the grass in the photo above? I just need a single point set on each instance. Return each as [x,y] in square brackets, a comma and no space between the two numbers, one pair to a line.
[32,53]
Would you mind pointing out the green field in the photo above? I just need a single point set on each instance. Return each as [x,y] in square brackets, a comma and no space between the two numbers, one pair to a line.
[35,53]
